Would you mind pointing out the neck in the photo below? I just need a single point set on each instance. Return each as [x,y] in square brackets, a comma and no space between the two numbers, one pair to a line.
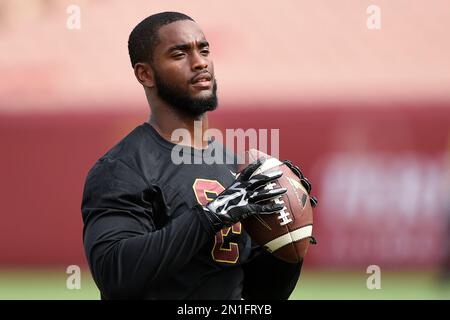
[167,120]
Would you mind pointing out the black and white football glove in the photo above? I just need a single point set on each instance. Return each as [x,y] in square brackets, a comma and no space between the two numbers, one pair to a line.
[305,182]
[243,198]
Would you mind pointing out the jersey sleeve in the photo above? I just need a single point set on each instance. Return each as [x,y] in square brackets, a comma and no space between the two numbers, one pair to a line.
[126,250]
[269,278]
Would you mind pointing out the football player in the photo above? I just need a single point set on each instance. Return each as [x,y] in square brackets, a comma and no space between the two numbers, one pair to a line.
[154,229]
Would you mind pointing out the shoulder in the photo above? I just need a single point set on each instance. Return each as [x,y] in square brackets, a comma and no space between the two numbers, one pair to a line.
[129,153]
[129,147]
[120,160]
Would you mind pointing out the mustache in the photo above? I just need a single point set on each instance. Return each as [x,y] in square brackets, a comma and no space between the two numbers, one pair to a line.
[192,80]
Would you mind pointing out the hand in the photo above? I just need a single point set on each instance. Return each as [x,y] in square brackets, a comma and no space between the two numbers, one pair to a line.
[242,199]
[305,182]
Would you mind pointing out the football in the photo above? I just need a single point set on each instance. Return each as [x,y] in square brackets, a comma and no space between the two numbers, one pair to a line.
[287,233]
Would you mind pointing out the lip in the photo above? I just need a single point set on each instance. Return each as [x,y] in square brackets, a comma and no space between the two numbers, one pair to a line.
[203,84]
[202,78]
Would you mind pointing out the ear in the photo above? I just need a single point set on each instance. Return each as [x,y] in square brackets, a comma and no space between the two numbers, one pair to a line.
[144,74]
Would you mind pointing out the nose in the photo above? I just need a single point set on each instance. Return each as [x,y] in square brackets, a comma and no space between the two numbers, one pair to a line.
[199,62]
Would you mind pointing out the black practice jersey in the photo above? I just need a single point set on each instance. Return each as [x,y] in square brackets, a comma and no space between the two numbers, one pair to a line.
[144,236]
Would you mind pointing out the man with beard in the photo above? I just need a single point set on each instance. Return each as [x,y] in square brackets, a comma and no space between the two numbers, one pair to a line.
[158,230]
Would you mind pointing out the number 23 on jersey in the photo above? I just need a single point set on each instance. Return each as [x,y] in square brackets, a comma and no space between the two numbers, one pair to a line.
[223,250]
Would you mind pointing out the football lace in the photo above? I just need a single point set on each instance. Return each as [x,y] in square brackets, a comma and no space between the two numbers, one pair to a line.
[283,214]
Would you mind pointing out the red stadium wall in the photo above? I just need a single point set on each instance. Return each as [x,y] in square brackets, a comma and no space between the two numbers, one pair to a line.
[379,174]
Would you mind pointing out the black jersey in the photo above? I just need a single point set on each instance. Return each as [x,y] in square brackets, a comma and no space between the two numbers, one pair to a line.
[143,234]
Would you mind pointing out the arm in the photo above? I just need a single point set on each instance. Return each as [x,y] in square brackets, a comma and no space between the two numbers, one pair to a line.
[267,277]
[125,250]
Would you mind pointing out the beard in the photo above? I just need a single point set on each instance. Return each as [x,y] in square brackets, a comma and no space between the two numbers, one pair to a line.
[182,101]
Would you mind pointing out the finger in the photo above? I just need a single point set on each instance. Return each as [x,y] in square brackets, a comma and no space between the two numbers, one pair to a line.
[263,179]
[305,182]
[265,195]
[294,168]
[313,201]
[251,168]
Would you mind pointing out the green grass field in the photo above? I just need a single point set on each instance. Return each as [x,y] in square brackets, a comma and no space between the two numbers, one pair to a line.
[51,284]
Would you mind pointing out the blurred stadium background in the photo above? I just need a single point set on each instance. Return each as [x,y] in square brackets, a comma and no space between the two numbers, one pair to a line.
[365,112]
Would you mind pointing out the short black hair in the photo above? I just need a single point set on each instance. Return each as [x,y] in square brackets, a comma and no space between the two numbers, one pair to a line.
[144,37]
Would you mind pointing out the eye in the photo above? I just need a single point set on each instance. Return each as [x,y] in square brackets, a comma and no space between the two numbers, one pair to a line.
[205,52]
[178,55]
